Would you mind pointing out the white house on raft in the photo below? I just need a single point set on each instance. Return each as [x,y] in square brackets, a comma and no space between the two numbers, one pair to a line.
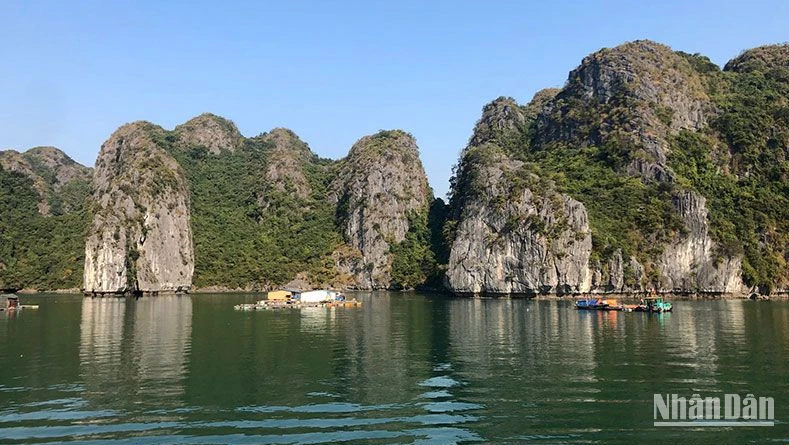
[318,296]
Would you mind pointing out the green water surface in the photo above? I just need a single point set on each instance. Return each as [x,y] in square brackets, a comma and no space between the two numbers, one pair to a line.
[402,369]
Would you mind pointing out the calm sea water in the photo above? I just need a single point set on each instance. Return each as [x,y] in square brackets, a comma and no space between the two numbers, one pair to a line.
[403,369]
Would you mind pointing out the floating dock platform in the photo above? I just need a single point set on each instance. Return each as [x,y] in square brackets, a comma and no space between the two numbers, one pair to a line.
[269,305]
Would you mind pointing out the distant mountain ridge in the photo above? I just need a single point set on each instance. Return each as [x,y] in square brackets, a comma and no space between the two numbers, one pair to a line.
[650,169]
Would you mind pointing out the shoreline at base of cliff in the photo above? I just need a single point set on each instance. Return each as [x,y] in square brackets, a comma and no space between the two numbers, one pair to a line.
[781,296]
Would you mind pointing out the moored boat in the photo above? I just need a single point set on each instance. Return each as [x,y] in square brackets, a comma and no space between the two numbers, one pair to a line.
[599,304]
[654,304]
[586,304]
[651,304]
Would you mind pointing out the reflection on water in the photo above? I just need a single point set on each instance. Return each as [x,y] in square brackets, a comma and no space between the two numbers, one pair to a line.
[162,341]
[101,338]
[532,337]
[315,320]
[135,349]
[376,349]
[404,368]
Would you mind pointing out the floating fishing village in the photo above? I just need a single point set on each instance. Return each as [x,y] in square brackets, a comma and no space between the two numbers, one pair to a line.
[295,299]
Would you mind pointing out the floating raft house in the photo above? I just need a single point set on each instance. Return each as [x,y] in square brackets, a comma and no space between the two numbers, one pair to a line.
[296,299]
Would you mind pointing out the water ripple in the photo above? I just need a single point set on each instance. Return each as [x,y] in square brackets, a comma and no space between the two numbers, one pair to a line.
[403,369]
[440,382]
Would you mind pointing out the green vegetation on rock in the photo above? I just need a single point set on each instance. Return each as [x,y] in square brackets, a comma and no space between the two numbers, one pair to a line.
[39,252]
[740,164]
[414,259]
[625,213]
[241,243]
[635,128]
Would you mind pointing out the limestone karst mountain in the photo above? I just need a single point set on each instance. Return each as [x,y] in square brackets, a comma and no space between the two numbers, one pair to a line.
[678,167]
[140,238]
[381,191]
[203,206]
[650,168]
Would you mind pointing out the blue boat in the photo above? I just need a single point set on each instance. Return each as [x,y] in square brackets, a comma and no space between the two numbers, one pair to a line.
[654,304]
[598,304]
[589,304]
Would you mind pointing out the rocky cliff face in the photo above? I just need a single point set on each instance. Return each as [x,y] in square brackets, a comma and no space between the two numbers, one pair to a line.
[52,162]
[649,169]
[515,233]
[640,94]
[623,106]
[379,185]
[617,275]
[140,238]
[634,95]
[690,262]
[503,120]
[14,161]
[276,222]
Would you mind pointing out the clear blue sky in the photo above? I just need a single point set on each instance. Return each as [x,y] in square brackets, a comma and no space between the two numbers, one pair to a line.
[73,71]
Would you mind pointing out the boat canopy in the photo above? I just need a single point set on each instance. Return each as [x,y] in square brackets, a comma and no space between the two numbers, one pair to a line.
[279,295]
